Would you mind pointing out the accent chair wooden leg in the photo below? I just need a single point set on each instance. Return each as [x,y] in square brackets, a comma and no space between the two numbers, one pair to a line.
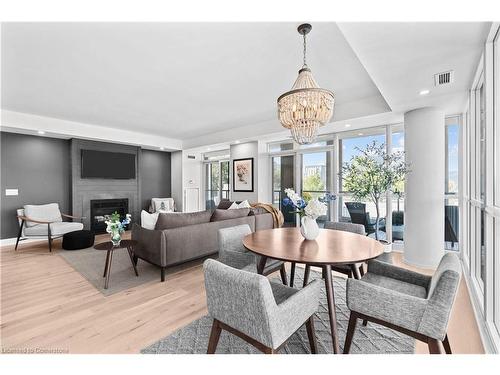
[214,337]
[283,274]
[19,234]
[307,271]
[49,238]
[136,259]
[446,344]
[311,335]
[292,274]
[353,318]
[163,274]
[433,346]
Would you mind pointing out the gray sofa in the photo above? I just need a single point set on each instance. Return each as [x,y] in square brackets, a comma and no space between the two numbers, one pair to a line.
[180,237]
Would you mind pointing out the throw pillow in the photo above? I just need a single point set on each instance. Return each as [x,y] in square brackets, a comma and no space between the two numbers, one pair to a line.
[148,221]
[244,204]
[220,215]
[234,206]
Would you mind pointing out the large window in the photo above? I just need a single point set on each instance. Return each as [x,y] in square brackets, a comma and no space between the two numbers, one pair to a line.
[283,172]
[349,143]
[451,208]
[216,178]
[316,172]
[398,196]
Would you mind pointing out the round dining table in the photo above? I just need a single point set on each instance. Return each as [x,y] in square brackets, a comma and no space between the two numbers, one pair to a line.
[331,248]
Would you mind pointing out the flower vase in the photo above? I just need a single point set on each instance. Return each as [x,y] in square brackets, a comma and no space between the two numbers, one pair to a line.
[116,238]
[309,228]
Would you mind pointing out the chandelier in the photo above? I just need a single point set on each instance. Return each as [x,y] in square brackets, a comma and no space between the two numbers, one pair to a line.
[306,106]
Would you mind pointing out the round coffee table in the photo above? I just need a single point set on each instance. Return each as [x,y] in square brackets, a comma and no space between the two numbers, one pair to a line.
[332,247]
[109,247]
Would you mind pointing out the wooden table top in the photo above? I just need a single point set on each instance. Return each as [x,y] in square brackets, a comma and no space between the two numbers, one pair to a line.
[331,246]
[109,245]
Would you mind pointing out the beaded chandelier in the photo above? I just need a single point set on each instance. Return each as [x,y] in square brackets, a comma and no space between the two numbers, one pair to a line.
[306,106]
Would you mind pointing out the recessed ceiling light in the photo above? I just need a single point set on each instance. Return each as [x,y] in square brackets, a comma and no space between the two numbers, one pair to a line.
[162,148]
[237,141]
[208,148]
[360,133]
[424,92]
[41,132]
[347,125]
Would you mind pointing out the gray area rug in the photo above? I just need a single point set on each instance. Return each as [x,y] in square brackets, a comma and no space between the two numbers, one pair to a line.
[375,339]
[90,264]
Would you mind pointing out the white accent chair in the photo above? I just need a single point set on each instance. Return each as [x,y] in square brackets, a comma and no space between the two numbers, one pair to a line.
[162,205]
[44,221]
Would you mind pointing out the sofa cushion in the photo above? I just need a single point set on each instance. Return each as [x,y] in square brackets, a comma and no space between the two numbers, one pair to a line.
[43,212]
[181,219]
[56,229]
[220,215]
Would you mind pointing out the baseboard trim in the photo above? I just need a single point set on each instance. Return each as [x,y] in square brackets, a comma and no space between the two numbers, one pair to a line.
[484,332]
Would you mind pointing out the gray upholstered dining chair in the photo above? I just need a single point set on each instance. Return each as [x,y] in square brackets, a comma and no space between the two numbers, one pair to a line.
[234,254]
[44,221]
[265,314]
[406,301]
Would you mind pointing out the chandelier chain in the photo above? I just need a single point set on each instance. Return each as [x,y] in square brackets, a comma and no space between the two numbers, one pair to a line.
[304,35]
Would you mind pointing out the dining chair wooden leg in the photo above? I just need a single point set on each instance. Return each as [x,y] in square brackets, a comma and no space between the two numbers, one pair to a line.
[330,298]
[283,274]
[353,318]
[307,271]
[446,345]
[311,335]
[355,271]
[362,270]
[214,337]
[433,346]
[292,274]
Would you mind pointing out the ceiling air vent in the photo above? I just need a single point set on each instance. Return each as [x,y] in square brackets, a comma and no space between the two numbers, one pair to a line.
[191,157]
[443,78]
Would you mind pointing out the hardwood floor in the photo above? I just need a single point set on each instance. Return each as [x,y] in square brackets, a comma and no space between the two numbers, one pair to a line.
[47,306]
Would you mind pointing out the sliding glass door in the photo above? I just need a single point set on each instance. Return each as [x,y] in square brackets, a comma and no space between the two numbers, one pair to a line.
[216,183]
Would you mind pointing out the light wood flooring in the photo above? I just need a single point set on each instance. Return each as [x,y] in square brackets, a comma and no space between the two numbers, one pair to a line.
[47,305]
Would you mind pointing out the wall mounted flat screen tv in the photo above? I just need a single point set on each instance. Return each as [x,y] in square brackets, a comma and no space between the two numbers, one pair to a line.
[103,164]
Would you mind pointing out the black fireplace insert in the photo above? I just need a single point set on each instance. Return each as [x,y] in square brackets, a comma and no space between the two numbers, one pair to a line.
[100,208]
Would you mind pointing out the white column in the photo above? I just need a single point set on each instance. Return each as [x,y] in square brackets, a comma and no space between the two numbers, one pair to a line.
[424,187]
[388,196]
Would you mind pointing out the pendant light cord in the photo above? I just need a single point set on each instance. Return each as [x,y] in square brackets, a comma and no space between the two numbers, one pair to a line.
[305,49]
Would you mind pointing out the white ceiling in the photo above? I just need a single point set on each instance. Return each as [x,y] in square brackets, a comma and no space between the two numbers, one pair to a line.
[180,80]
[206,83]
[402,59]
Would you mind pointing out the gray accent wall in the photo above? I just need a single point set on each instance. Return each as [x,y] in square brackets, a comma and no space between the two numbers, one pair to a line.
[39,168]
[155,176]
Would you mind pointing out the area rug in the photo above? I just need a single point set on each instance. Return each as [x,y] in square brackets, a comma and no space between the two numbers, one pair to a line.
[372,339]
[90,264]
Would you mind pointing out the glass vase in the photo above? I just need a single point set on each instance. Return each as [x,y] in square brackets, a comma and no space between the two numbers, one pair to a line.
[116,238]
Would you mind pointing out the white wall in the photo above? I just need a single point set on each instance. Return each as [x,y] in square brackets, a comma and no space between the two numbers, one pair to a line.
[176,179]
[242,151]
[264,174]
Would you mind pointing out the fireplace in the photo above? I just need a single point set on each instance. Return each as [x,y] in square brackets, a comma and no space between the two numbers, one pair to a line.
[99,208]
